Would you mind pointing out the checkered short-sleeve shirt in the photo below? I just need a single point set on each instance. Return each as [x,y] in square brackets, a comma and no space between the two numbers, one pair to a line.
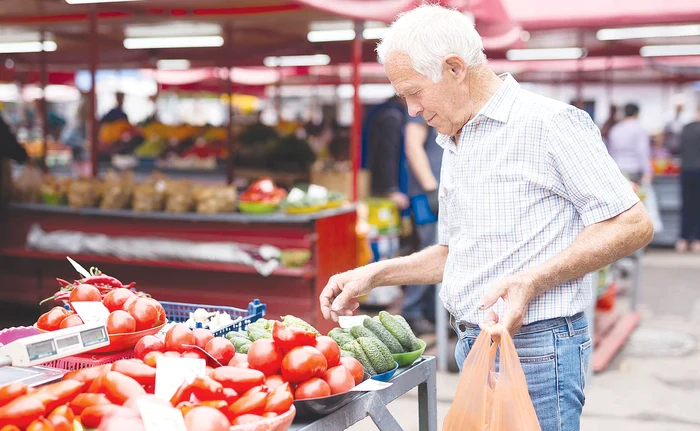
[528,174]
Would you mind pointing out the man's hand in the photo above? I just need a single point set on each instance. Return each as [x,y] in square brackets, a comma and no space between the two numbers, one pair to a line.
[517,291]
[400,199]
[337,298]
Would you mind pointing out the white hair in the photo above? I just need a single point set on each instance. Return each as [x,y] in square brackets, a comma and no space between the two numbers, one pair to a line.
[427,34]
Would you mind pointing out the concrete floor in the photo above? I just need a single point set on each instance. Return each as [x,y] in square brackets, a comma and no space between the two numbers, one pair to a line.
[653,384]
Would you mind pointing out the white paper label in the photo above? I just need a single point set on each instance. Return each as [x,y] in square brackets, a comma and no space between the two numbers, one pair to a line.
[91,312]
[371,385]
[347,322]
[172,372]
[160,418]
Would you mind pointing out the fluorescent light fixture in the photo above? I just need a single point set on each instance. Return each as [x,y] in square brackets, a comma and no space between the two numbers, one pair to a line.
[545,54]
[375,33]
[173,64]
[669,50]
[330,35]
[36,46]
[173,42]
[95,1]
[172,29]
[297,60]
[648,32]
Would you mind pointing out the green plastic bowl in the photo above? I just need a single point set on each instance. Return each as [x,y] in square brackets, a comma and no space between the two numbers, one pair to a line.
[257,207]
[406,359]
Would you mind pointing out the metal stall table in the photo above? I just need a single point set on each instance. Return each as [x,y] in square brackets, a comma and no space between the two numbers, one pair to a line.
[374,404]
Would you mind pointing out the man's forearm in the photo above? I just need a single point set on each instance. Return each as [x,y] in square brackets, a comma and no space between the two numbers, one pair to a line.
[598,245]
[423,267]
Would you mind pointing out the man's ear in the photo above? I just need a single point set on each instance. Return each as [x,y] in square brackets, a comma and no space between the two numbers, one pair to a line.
[455,66]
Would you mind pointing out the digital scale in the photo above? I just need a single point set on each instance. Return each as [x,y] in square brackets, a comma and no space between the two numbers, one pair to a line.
[21,359]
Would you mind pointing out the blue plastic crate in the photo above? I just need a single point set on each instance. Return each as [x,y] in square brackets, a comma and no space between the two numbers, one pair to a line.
[179,312]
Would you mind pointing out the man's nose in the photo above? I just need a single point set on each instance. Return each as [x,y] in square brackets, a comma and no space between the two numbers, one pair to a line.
[414,110]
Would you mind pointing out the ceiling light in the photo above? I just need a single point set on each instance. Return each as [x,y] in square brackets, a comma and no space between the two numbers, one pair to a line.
[648,32]
[173,29]
[173,42]
[297,60]
[545,54]
[95,1]
[669,50]
[167,64]
[375,33]
[330,35]
[36,46]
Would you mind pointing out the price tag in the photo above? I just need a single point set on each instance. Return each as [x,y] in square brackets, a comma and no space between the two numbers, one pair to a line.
[370,385]
[160,418]
[347,322]
[91,312]
[172,372]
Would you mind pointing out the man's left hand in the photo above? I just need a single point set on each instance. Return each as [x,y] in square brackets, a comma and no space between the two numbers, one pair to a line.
[517,290]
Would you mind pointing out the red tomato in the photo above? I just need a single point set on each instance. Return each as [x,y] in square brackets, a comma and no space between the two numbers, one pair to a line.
[237,359]
[22,411]
[120,322]
[265,356]
[177,336]
[92,416]
[339,380]
[151,358]
[206,419]
[172,354]
[63,411]
[144,312]
[72,320]
[197,354]
[148,344]
[85,293]
[202,336]
[161,311]
[11,391]
[221,349]
[119,299]
[85,400]
[247,419]
[120,388]
[251,403]
[330,350]
[303,363]
[52,319]
[312,388]
[41,424]
[279,400]
[239,379]
[133,403]
[274,381]
[60,423]
[355,368]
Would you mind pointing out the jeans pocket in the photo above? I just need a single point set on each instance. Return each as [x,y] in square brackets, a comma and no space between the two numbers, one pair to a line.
[585,352]
[462,349]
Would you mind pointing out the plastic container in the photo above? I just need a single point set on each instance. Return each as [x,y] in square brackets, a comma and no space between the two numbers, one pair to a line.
[406,359]
[179,312]
[78,362]
[385,377]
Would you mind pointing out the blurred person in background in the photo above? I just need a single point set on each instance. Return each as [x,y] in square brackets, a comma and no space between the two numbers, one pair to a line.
[629,146]
[116,113]
[672,129]
[424,157]
[10,149]
[609,123]
[690,186]
[530,204]
[385,151]
[76,136]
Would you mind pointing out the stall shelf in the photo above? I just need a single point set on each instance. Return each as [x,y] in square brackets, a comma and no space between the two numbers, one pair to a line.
[26,274]
[374,404]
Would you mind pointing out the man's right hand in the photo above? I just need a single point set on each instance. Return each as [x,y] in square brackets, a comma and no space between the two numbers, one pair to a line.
[433,200]
[338,297]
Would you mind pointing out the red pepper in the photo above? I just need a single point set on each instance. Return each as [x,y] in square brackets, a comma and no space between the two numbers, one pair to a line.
[207,389]
[63,282]
[288,337]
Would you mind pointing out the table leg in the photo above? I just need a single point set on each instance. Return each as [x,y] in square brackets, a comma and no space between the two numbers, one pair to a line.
[427,402]
[381,416]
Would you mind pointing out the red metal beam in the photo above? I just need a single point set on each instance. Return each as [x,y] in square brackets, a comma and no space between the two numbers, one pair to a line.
[357,107]
[94,127]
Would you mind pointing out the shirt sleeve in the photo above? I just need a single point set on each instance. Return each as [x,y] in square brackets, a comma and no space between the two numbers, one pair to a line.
[443,221]
[584,172]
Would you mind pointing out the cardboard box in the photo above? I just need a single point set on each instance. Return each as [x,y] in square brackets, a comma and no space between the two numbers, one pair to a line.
[341,181]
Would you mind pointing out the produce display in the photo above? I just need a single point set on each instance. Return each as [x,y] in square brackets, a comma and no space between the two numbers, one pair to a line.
[313,198]
[262,196]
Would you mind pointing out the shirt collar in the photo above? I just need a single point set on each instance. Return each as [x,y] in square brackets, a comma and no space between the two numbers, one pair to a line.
[497,108]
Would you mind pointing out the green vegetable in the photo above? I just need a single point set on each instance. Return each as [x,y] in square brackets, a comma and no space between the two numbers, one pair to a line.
[256,333]
[340,336]
[383,335]
[292,320]
[361,331]
[356,349]
[410,343]
[241,344]
[346,353]
[237,334]
[375,354]
[385,352]
[405,325]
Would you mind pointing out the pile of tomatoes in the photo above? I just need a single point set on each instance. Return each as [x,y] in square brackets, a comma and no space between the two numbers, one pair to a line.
[128,312]
[181,341]
[264,191]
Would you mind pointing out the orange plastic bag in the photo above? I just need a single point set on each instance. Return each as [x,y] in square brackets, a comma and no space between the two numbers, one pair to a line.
[490,401]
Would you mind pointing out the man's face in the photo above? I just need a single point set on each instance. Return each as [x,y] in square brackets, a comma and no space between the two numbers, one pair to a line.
[436,103]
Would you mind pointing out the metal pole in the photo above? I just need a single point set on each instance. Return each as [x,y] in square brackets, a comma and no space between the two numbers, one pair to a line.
[43,70]
[357,107]
[229,158]
[94,127]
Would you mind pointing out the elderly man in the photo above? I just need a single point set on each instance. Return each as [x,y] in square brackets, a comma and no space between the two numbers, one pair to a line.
[530,203]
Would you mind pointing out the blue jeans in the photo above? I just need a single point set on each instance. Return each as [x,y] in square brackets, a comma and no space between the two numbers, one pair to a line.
[555,355]
[419,299]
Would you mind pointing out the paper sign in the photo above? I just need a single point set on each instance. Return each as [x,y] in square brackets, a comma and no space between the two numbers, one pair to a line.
[371,385]
[160,418]
[91,312]
[347,322]
[172,372]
